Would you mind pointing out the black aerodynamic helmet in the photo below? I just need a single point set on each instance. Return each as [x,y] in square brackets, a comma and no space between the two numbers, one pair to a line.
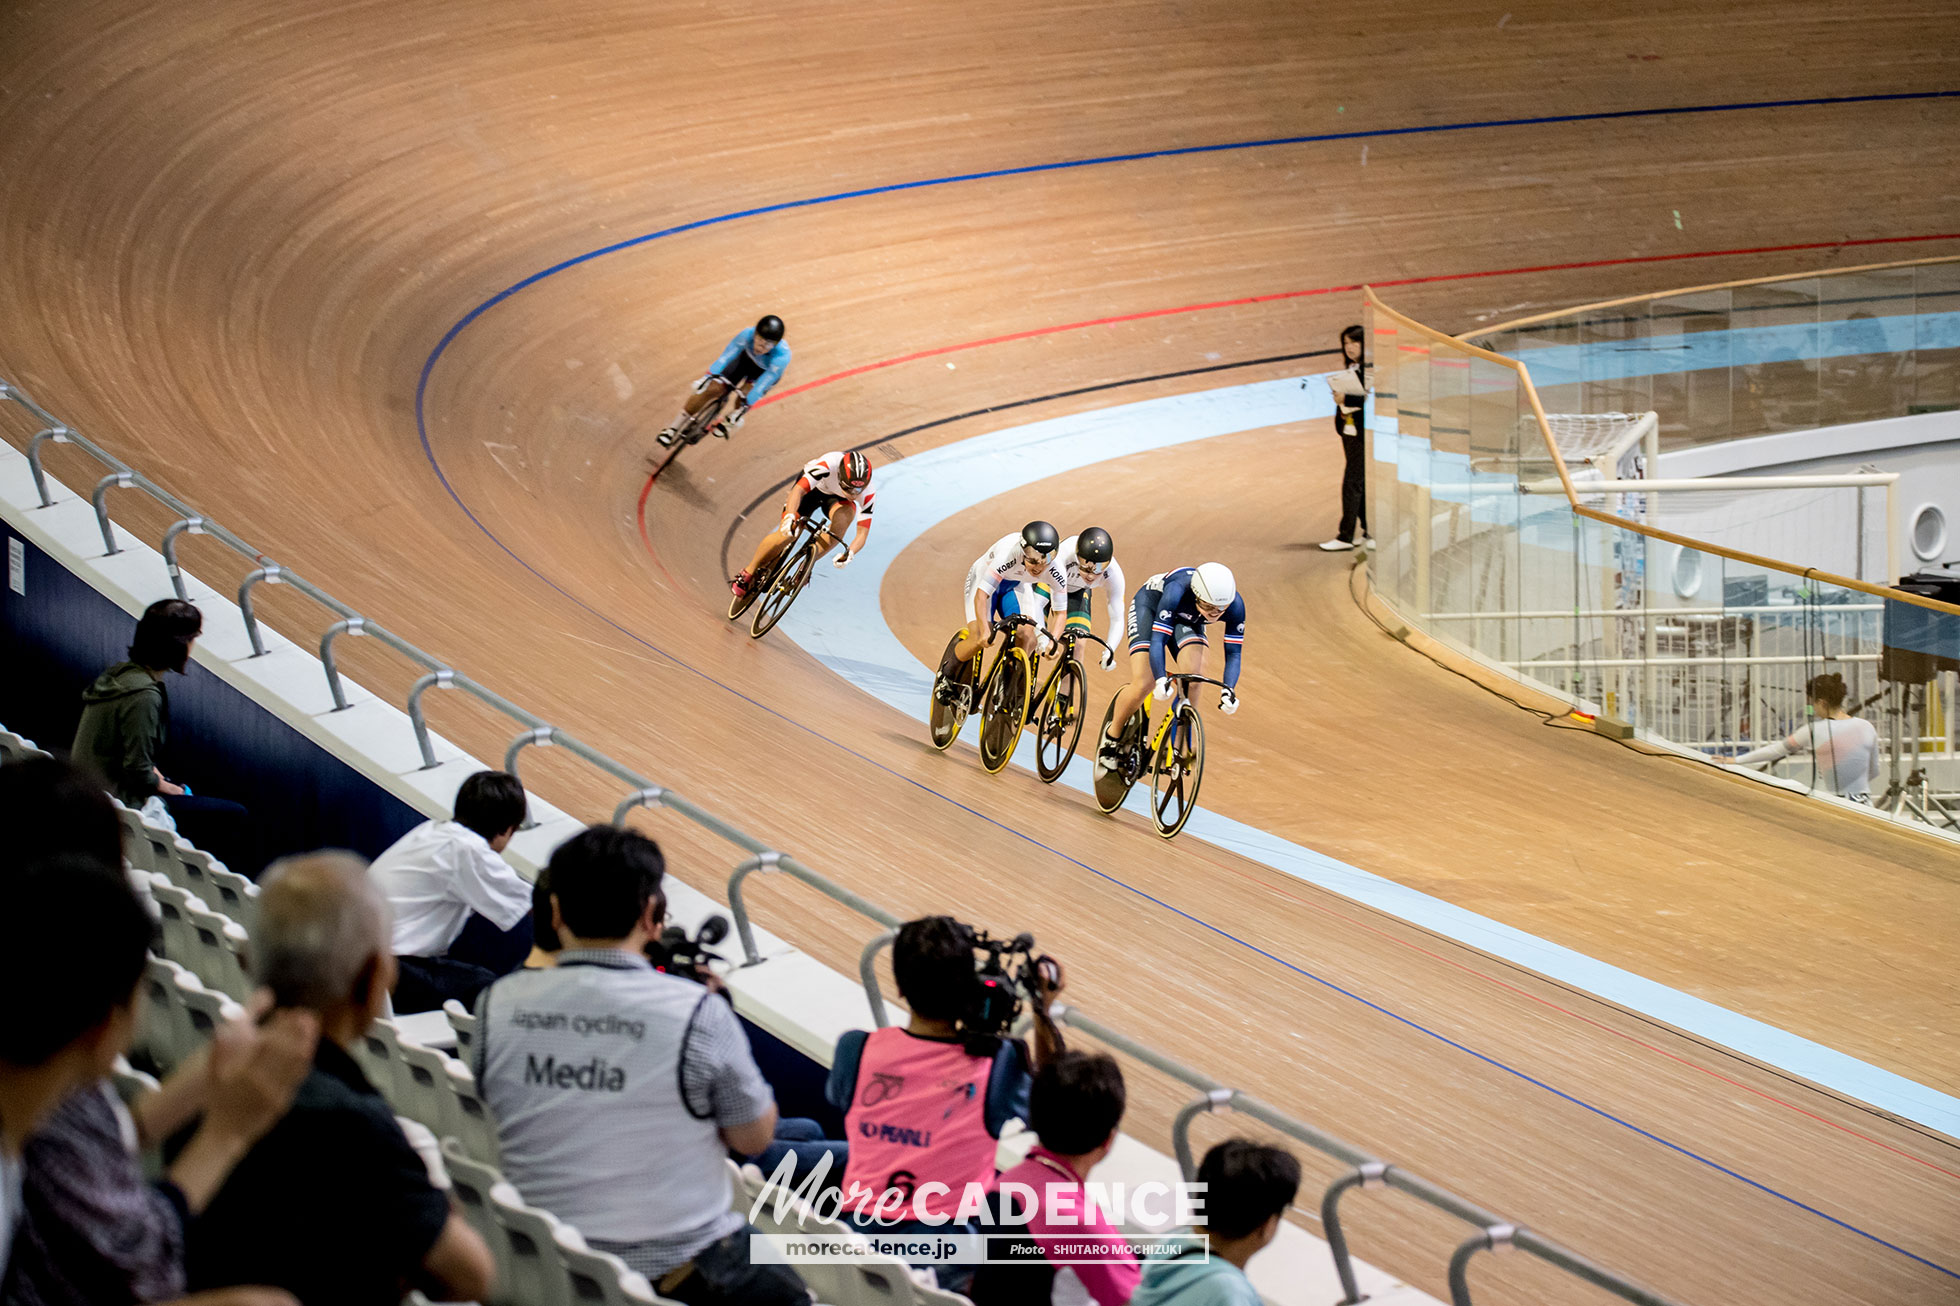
[770,328]
[1094,545]
[1041,537]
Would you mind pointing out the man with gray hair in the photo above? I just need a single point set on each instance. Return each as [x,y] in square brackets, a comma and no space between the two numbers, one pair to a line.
[332,1203]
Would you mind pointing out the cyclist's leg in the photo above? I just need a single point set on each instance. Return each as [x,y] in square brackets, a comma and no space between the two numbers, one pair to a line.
[842,513]
[730,413]
[1141,616]
[1078,610]
[710,393]
[1033,601]
[979,610]
[1191,649]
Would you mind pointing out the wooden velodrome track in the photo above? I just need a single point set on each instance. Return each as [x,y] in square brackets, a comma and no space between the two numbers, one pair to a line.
[232,233]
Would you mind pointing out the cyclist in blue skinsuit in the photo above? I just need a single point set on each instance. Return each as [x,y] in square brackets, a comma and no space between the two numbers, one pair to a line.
[753,362]
[1173,610]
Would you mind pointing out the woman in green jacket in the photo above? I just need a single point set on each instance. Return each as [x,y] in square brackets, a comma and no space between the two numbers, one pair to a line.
[126,720]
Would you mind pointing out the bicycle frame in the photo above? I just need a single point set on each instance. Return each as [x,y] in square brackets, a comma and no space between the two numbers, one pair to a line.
[1064,650]
[1179,698]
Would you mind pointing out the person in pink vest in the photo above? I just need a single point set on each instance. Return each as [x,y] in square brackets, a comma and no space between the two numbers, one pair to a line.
[1075,1108]
[924,1105]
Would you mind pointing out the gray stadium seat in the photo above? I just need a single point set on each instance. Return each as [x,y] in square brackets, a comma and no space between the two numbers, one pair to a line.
[463,1023]
[234,895]
[470,1182]
[471,1123]
[179,940]
[537,1269]
[218,944]
[600,1278]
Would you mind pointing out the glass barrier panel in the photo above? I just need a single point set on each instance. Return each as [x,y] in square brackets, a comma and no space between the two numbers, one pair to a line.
[1773,340]
[1936,341]
[1616,361]
[1451,534]
[1866,336]
[1688,348]
[1492,507]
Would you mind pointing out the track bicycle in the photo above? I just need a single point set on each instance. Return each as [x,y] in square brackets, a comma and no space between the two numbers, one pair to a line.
[1003,697]
[1058,721]
[1174,756]
[785,579]
[695,427]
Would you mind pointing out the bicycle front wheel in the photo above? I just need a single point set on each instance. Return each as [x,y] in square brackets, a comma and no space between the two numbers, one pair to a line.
[1059,726]
[792,574]
[1004,709]
[1176,770]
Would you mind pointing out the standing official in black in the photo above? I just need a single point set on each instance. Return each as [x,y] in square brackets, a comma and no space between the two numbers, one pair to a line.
[1350,387]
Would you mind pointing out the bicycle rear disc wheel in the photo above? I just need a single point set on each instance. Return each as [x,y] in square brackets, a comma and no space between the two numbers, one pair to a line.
[738,605]
[1059,727]
[947,718]
[791,576]
[1112,787]
[1176,772]
[1004,711]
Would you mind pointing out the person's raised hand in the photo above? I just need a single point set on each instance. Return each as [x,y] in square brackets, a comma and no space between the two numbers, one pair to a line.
[256,1068]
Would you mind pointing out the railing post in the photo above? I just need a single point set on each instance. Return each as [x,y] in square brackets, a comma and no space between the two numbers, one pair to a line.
[868,972]
[1218,1099]
[739,908]
[272,574]
[1372,1174]
[186,525]
[543,737]
[100,498]
[1498,1237]
[440,678]
[351,626]
[651,796]
[57,433]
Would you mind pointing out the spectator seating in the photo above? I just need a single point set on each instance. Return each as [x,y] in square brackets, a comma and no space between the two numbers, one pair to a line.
[600,1277]
[872,1281]
[461,1021]
[541,1261]
[130,1082]
[180,1014]
[18,748]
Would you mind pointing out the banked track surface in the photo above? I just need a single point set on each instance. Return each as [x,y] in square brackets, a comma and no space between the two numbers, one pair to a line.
[232,238]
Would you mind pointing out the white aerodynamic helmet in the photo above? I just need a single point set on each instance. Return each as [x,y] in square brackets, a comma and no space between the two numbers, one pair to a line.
[1214,586]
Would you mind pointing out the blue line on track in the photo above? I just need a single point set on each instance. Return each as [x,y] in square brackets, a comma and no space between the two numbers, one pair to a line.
[448,337]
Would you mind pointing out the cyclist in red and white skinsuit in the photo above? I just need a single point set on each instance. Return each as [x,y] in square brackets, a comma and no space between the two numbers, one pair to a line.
[838,484]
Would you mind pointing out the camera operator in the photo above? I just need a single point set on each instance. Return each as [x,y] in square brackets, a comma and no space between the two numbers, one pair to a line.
[927,1103]
[617,1088]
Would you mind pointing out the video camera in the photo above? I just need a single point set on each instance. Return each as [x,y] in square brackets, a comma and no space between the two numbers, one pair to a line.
[1006,973]
[676,954]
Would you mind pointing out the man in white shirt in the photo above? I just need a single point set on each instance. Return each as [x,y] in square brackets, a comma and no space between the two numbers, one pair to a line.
[462,914]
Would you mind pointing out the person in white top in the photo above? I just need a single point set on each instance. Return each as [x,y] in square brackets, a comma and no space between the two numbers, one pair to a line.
[1845,747]
[462,914]
[1089,562]
[837,484]
[1016,577]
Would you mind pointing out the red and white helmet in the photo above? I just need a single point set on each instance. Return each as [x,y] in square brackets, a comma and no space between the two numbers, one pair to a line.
[854,471]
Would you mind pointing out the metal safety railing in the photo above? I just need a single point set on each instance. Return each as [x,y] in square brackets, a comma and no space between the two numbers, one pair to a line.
[1492,1232]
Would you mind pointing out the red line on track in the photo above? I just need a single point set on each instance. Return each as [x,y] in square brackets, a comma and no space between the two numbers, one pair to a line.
[1335,290]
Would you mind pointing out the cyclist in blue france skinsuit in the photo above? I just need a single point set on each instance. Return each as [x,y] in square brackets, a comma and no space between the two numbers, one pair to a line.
[1173,610]
[753,362]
